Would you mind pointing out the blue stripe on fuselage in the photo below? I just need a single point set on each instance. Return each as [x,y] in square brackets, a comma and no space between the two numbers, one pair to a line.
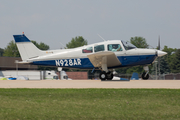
[136,60]
[81,63]
[84,63]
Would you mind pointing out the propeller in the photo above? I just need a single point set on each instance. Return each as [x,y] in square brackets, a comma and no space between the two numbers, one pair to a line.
[159,53]
[159,63]
[159,43]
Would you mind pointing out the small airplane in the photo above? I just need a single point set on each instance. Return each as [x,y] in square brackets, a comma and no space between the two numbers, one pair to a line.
[105,56]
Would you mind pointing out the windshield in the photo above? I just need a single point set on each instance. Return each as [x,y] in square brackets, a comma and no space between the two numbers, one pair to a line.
[128,45]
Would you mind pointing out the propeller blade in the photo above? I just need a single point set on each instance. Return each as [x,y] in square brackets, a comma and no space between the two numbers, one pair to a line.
[159,43]
[160,53]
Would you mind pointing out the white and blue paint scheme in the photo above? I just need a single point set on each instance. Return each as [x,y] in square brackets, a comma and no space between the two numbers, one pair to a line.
[103,55]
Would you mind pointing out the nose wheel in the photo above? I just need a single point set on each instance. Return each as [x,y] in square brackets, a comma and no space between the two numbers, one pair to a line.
[106,76]
[145,76]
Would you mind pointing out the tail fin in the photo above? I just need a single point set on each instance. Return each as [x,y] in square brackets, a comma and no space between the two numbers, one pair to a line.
[26,48]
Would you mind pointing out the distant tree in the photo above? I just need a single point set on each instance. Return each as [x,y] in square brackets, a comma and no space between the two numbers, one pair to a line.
[1,52]
[137,69]
[170,52]
[175,64]
[41,46]
[169,58]
[77,42]
[139,42]
[11,50]
[121,70]
[164,66]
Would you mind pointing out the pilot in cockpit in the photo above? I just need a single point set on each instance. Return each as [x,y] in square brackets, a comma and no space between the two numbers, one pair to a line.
[116,48]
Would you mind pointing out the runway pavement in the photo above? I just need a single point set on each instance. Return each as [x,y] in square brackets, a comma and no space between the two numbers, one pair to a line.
[169,84]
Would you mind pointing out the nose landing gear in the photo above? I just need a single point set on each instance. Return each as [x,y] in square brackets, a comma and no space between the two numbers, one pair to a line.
[145,74]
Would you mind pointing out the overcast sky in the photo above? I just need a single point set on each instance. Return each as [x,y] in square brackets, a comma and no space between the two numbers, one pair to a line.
[58,21]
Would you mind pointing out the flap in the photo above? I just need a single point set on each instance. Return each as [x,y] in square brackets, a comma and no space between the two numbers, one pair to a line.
[104,57]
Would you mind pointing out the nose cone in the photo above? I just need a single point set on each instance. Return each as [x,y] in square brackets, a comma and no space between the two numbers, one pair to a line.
[161,53]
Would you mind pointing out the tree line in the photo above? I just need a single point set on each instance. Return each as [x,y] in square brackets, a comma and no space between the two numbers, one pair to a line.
[170,63]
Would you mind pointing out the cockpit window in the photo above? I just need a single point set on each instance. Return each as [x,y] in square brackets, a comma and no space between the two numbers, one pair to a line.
[87,50]
[128,45]
[98,48]
[114,47]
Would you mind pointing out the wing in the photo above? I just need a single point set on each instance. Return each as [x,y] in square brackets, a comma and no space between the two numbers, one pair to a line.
[105,57]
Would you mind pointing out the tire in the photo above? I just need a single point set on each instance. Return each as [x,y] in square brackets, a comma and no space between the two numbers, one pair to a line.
[143,76]
[109,76]
[103,75]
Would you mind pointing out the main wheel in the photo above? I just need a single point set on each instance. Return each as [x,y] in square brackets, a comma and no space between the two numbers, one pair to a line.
[145,77]
[109,75]
[103,75]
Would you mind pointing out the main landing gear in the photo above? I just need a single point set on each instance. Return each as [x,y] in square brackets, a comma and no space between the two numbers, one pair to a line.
[106,75]
[145,74]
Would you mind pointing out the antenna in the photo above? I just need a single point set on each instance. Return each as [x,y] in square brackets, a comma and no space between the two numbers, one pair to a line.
[63,45]
[101,37]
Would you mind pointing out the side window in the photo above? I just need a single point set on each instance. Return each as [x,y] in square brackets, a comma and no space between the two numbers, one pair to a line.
[98,48]
[114,47]
[87,50]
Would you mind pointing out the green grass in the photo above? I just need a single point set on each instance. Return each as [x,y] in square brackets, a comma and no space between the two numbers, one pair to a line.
[81,104]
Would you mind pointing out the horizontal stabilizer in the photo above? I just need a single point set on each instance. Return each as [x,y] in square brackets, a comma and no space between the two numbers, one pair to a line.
[23,62]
